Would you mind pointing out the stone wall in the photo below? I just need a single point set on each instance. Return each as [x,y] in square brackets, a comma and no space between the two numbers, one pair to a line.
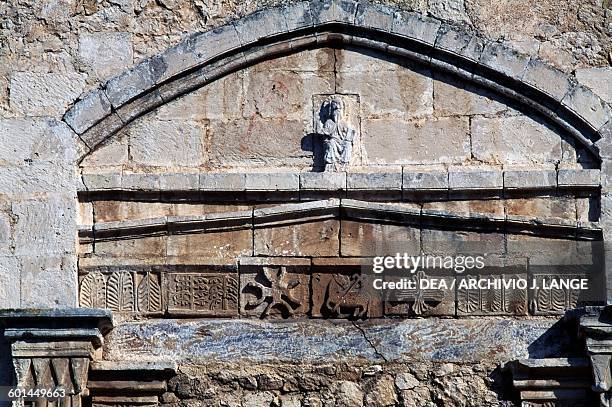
[429,131]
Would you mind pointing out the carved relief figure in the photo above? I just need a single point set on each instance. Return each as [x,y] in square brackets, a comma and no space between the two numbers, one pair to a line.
[338,136]
[277,292]
[345,297]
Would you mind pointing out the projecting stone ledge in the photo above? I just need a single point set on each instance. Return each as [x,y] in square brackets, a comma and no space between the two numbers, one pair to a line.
[310,341]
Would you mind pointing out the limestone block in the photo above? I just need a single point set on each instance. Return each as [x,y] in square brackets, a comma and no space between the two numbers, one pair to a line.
[548,79]
[353,60]
[167,143]
[525,179]
[151,248]
[222,182]
[36,140]
[389,141]
[297,16]
[464,179]
[323,181]
[111,153]
[543,208]
[330,11]
[424,180]
[458,42]
[131,181]
[375,16]
[272,181]
[256,141]
[132,83]
[179,182]
[92,108]
[400,93]
[10,281]
[221,100]
[598,80]
[489,209]
[37,178]
[504,60]
[374,180]
[517,139]
[318,61]
[44,94]
[106,53]
[261,24]
[215,42]
[457,98]
[378,239]
[587,105]
[6,233]
[415,27]
[305,239]
[226,246]
[579,178]
[101,181]
[449,10]
[48,282]
[446,242]
[45,226]
[282,94]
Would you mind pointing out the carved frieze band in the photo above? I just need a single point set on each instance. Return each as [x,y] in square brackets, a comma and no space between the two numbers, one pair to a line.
[337,288]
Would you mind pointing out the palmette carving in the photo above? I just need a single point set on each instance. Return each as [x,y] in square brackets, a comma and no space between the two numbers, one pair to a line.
[120,292]
[492,301]
[149,294]
[93,291]
[552,300]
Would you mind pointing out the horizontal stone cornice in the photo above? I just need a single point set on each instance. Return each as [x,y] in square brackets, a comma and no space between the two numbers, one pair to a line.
[284,214]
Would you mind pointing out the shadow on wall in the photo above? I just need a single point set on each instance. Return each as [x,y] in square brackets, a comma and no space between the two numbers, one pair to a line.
[560,341]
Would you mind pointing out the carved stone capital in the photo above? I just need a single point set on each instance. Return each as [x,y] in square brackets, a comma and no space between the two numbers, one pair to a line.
[596,326]
[52,349]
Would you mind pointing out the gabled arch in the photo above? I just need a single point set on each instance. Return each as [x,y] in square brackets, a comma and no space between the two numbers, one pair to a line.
[205,57]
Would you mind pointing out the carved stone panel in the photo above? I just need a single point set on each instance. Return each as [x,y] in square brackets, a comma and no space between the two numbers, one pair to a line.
[548,297]
[341,290]
[274,287]
[123,291]
[432,295]
[203,294]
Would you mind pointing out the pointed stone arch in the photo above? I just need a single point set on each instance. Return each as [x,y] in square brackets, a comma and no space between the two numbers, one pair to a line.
[204,57]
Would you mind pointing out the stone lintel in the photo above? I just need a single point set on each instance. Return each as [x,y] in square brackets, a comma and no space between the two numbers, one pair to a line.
[409,180]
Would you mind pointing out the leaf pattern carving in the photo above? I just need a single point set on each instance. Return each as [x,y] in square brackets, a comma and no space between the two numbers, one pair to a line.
[93,291]
[120,292]
[149,294]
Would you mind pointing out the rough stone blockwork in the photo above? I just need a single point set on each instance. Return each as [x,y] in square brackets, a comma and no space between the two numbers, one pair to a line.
[150,152]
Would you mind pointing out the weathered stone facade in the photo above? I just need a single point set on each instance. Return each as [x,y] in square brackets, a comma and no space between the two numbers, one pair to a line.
[173,164]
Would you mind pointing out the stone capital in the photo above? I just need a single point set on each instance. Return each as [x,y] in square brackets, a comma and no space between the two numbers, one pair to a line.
[52,348]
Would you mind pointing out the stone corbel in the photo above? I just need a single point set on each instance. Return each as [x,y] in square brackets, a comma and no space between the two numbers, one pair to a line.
[596,325]
[52,349]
